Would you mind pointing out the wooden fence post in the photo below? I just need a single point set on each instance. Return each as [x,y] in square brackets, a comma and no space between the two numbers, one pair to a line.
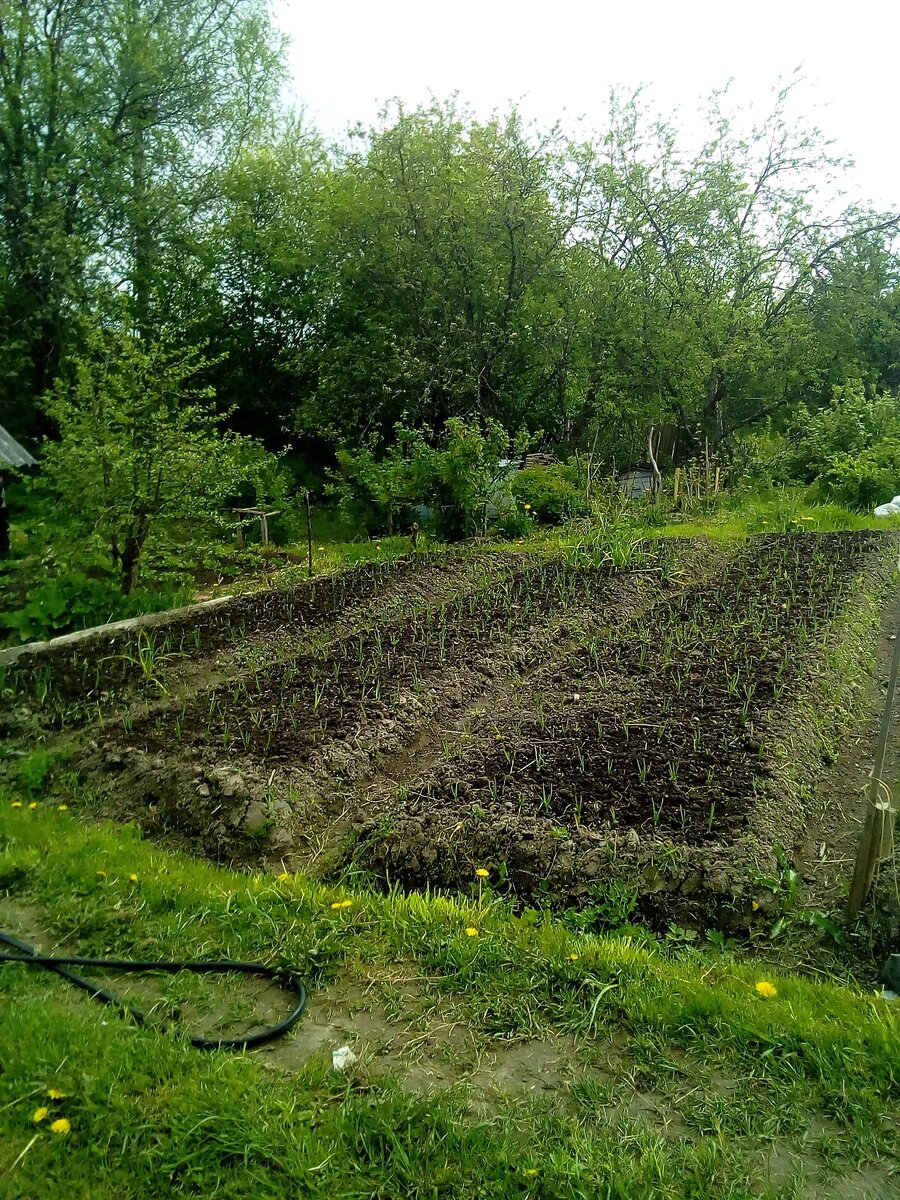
[309,569]
[877,822]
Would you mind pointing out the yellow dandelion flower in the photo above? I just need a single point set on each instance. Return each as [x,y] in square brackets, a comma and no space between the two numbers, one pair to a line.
[482,872]
[471,931]
[283,877]
[133,878]
[16,804]
[531,1172]
[527,507]
[40,1113]
[60,1126]
[33,804]
[56,1094]
[766,989]
[62,808]
[573,958]
[342,904]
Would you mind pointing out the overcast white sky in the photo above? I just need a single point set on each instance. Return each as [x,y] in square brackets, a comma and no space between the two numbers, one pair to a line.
[558,59]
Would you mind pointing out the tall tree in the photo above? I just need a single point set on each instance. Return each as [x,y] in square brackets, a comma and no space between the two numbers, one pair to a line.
[264,289]
[117,118]
[723,249]
[46,228]
[446,262]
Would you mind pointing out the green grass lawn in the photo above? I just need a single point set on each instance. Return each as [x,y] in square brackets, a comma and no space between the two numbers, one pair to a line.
[684,1080]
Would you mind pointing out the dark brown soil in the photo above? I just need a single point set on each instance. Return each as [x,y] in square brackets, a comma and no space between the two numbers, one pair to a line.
[660,732]
[571,727]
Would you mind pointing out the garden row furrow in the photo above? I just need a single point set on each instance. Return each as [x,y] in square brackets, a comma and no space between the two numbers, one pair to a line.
[662,730]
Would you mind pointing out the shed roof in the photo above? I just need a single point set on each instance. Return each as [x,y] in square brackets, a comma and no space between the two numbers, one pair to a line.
[11,453]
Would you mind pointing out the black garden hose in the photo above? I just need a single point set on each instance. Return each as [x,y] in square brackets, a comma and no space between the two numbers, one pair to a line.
[29,956]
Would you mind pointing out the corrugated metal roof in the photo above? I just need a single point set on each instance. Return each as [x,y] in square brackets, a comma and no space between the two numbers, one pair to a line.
[11,453]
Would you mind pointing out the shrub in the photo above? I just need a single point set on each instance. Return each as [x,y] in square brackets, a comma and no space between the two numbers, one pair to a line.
[553,493]
[75,601]
[849,447]
[33,772]
[140,443]
[513,522]
[863,480]
[458,478]
[756,457]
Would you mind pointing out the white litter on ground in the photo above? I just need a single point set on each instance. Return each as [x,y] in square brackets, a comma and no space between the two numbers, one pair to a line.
[343,1058]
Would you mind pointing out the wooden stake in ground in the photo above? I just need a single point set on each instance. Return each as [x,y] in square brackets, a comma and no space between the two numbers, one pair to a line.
[309,569]
[259,514]
[877,824]
[657,475]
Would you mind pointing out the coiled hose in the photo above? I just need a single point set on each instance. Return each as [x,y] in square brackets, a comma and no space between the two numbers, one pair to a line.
[30,957]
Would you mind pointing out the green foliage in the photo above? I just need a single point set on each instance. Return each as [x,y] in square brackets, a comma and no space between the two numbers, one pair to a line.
[33,773]
[756,459]
[514,521]
[377,492]
[554,493]
[610,905]
[851,448]
[76,601]
[61,605]
[865,479]
[116,121]
[458,477]
[140,443]
[468,474]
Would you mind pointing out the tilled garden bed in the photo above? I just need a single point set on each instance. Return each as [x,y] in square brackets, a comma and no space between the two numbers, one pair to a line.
[639,739]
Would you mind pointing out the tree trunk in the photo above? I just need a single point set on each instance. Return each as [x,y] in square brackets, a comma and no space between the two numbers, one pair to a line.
[130,561]
[142,237]
[656,489]
[4,520]
[716,391]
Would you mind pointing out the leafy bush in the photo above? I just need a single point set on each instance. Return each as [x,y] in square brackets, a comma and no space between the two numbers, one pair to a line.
[141,443]
[458,477]
[553,493]
[34,771]
[377,494]
[867,478]
[851,447]
[75,601]
[756,457]
[514,521]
